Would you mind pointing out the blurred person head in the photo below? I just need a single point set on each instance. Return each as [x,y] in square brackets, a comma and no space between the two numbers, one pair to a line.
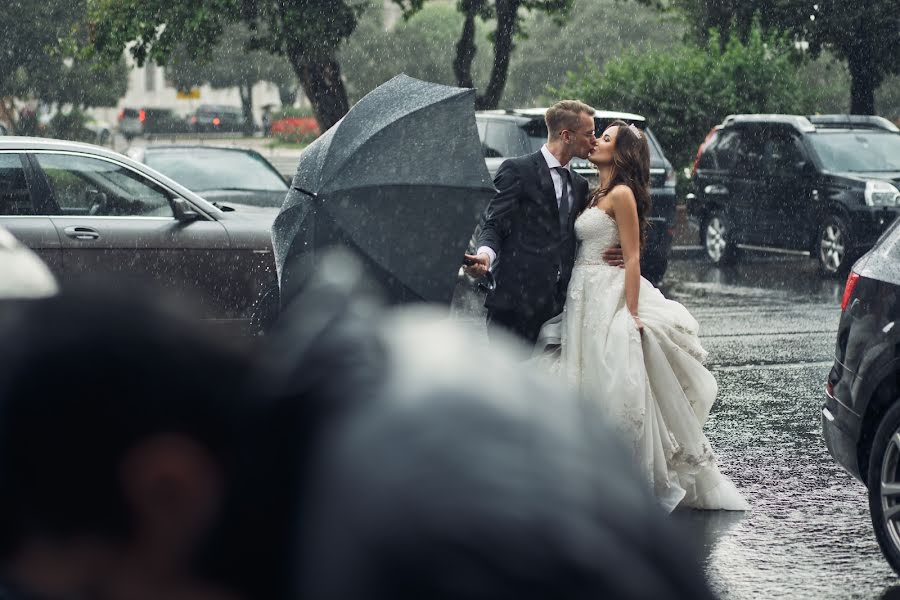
[570,128]
[622,155]
[119,420]
[22,273]
[493,484]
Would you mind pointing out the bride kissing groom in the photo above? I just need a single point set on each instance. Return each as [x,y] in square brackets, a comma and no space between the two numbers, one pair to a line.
[556,250]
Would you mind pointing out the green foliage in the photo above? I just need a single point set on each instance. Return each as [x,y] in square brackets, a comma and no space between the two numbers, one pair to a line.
[685,91]
[290,111]
[39,45]
[306,32]
[421,46]
[864,34]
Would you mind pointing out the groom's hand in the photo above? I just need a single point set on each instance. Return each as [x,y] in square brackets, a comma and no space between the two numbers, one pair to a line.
[477,264]
[613,256]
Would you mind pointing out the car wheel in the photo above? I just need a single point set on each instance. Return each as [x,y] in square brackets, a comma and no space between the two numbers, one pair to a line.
[884,486]
[833,246]
[718,239]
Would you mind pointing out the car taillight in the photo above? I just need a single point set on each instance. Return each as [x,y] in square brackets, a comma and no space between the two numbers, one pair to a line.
[121,115]
[848,289]
[194,120]
[216,121]
[142,115]
[708,137]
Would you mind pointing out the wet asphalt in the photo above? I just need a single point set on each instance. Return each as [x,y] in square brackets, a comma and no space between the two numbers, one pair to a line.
[769,324]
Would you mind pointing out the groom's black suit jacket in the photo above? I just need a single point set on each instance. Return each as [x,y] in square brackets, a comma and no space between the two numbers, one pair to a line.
[534,258]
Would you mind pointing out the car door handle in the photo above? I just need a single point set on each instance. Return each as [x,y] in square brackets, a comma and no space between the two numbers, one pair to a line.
[715,190]
[82,233]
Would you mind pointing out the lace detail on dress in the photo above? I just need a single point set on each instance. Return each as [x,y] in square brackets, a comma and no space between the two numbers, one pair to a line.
[594,234]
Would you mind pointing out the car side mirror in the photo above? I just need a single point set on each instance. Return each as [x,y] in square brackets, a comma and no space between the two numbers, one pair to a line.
[184,212]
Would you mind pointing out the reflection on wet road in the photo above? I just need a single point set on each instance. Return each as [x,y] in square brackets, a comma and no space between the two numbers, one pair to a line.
[769,326]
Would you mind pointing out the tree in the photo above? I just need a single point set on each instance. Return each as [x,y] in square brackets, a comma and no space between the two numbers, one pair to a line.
[37,65]
[231,65]
[509,18]
[306,32]
[866,33]
[685,91]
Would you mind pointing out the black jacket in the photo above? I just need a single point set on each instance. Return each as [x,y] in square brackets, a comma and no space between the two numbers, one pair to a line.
[534,259]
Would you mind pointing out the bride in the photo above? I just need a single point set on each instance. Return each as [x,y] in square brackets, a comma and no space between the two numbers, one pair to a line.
[623,345]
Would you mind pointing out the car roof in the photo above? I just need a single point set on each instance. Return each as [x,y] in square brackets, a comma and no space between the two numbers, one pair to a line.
[169,147]
[813,123]
[23,143]
[533,113]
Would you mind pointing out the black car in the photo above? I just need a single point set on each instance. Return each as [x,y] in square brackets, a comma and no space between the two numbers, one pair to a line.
[84,210]
[235,177]
[135,122]
[508,133]
[823,186]
[861,415]
[211,118]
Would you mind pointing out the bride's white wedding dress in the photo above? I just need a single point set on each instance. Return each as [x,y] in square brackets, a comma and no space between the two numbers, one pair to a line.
[653,388]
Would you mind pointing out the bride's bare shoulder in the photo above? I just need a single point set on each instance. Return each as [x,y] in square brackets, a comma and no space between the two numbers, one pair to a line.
[621,191]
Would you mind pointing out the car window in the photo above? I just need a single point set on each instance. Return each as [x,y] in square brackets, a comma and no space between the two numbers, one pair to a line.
[203,169]
[503,139]
[860,151]
[780,154]
[726,149]
[82,185]
[15,199]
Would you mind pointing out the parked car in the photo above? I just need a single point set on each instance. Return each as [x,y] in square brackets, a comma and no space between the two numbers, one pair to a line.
[861,413]
[824,186]
[236,176]
[85,209]
[508,133]
[213,118]
[135,122]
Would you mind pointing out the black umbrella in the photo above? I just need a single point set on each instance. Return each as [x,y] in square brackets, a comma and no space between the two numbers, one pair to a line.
[399,181]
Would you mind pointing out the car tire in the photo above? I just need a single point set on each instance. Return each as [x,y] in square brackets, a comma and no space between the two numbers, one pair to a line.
[884,471]
[717,238]
[833,249]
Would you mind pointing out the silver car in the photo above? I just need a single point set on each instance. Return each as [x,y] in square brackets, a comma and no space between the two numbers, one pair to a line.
[85,209]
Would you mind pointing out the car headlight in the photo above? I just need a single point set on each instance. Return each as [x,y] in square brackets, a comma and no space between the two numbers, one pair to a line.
[882,193]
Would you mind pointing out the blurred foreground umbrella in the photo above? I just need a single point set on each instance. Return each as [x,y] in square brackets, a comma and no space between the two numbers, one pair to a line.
[399,181]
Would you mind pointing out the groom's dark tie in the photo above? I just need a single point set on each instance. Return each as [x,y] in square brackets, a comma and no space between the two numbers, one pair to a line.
[563,200]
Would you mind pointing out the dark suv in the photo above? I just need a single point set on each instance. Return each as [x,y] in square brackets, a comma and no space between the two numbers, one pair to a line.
[861,415]
[823,185]
[508,133]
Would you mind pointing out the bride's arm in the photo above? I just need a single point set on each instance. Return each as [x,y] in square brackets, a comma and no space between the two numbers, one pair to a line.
[625,210]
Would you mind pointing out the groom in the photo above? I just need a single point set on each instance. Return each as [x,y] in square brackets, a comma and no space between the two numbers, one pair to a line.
[528,238]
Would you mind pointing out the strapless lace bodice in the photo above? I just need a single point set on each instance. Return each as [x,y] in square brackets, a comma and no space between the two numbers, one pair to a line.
[595,231]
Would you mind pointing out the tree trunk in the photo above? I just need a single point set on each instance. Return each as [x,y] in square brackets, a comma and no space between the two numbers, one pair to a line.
[323,86]
[503,47]
[246,91]
[465,51]
[863,83]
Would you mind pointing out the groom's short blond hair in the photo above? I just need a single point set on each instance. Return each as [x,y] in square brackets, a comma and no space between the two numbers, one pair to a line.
[565,114]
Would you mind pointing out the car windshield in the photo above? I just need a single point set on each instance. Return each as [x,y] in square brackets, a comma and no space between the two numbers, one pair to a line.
[859,150]
[204,169]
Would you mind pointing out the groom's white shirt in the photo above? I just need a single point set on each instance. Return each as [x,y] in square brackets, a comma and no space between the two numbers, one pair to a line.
[557,189]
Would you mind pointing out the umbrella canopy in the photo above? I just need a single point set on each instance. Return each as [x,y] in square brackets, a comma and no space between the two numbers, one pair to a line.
[399,181]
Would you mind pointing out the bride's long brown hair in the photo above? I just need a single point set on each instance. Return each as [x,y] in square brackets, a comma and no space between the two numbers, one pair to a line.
[631,167]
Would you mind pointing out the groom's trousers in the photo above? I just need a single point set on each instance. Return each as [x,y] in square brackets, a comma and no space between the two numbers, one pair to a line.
[525,325]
